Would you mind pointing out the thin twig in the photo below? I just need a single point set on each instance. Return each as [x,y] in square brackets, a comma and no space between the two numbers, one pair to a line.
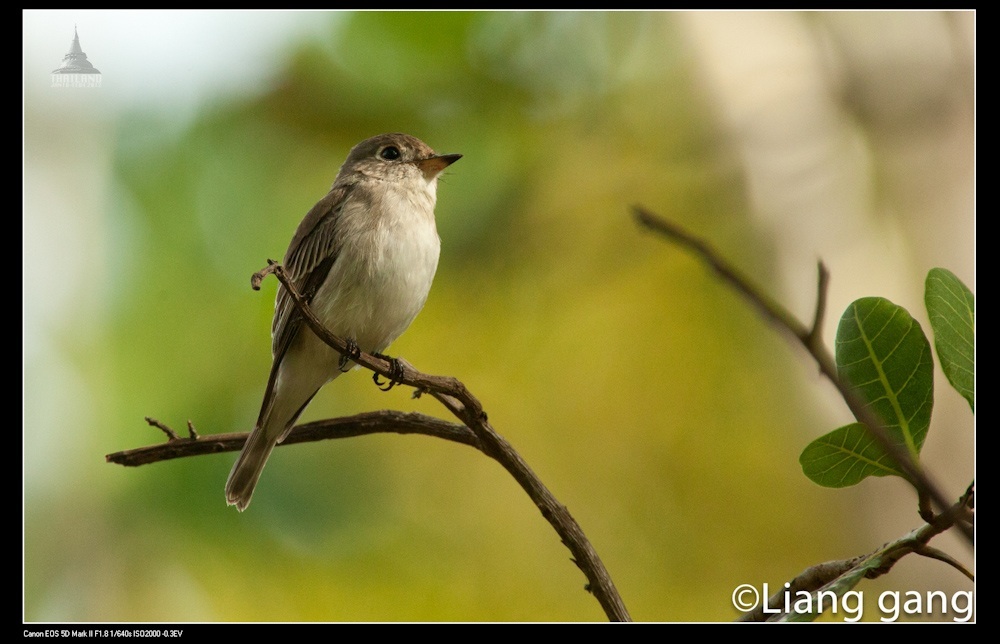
[933,553]
[258,277]
[823,280]
[171,434]
[786,321]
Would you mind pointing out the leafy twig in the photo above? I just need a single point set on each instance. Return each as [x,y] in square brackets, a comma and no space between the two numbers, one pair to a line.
[809,338]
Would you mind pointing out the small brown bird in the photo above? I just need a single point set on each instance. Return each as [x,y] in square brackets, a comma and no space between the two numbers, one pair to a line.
[365,257]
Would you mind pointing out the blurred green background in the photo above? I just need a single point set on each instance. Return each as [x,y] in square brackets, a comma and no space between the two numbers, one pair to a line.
[661,410]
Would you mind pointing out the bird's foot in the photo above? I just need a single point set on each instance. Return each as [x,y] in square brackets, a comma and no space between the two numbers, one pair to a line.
[395,373]
[353,352]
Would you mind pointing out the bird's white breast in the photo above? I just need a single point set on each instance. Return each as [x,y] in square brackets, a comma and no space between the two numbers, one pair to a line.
[385,266]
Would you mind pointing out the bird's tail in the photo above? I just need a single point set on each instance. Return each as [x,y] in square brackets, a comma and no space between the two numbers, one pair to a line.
[246,471]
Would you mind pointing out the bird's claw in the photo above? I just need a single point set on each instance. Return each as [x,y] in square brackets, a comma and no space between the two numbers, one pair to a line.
[353,352]
[395,374]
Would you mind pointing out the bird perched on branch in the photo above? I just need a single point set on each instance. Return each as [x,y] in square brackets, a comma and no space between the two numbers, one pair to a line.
[364,257]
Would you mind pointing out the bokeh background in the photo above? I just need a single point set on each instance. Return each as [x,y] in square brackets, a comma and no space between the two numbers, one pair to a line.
[661,410]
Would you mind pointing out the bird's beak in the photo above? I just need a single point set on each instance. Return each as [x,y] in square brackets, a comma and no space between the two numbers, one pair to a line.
[432,166]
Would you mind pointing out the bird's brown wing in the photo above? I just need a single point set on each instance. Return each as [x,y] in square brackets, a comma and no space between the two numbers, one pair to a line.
[310,256]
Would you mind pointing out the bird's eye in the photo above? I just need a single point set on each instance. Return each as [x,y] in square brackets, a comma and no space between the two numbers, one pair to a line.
[389,153]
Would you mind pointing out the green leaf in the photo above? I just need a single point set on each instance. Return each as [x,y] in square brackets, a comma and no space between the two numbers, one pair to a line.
[882,353]
[845,457]
[952,310]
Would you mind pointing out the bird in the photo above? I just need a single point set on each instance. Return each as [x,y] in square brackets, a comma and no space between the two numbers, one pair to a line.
[364,257]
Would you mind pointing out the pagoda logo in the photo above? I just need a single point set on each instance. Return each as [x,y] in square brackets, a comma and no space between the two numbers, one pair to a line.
[76,70]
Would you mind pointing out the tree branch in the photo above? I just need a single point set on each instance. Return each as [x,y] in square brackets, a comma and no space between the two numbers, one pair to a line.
[376,422]
[466,407]
[810,339]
